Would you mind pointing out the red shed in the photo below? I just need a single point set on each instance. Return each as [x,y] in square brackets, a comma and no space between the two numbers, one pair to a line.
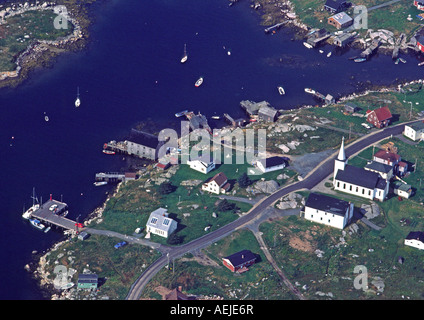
[239,261]
[419,5]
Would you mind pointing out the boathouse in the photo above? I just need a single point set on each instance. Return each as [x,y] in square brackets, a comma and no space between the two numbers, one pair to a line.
[420,43]
[267,114]
[143,145]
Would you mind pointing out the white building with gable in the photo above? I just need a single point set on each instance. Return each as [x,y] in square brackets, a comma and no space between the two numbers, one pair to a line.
[159,223]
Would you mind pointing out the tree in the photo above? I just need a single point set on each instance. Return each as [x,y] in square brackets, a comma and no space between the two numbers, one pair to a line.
[174,239]
[166,188]
[244,180]
[224,205]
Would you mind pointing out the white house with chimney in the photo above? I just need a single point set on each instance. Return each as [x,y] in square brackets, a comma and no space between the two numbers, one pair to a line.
[160,224]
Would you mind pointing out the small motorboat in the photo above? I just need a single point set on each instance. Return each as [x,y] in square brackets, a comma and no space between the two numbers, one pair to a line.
[216,117]
[307,45]
[180,114]
[199,82]
[421,64]
[281,91]
[100,183]
[360,60]
[36,223]
[108,151]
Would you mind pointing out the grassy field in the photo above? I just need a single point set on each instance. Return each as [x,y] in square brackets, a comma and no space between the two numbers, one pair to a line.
[196,278]
[294,242]
[21,30]
[117,269]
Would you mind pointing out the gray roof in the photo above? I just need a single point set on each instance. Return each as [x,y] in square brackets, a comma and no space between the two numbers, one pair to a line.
[378,166]
[359,177]
[271,112]
[341,18]
[417,125]
[159,219]
[402,186]
[144,138]
[327,204]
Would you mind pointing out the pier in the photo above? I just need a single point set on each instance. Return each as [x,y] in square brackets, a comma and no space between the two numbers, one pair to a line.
[115,177]
[53,213]
[371,49]
[230,120]
[118,147]
[276,26]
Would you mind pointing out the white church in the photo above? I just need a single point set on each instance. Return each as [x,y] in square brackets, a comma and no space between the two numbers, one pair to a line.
[358,181]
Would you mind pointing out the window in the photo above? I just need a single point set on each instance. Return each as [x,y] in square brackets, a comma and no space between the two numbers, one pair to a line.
[344,185]
[363,191]
[154,220]
[350,188]
[338,184]
[357,189]
[166,222]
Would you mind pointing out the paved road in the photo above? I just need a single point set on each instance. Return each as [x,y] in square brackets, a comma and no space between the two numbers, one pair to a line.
[322,171]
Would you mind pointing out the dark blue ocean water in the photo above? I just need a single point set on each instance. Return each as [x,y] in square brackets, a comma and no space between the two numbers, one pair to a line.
[131,72]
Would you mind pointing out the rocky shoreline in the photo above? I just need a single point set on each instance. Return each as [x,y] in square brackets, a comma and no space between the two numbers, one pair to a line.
[40,54]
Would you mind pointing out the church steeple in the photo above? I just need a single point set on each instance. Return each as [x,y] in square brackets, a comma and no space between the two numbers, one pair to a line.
[340,162]
[342,155]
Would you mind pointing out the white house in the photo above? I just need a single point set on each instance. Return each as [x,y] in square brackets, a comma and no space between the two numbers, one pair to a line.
[414,131]
[384,170]
[271,164]
[415,239]
[201,166]
[159,223]
[328,210]
[358,181]
[217,184]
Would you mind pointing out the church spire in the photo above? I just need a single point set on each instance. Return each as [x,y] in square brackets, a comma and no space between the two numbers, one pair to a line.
[342,155]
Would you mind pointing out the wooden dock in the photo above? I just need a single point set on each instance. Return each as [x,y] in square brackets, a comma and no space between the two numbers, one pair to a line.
[275,26]
[53,213]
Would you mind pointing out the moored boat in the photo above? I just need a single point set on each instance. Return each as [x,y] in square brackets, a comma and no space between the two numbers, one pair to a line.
[309,90]
[360,60]
[216,117]
[199,82]
[185,57]
[77,100]
[108,151]
[402,60]
[307,45]
[281,90]
[100,183]
[36,223]
[180,114]
[329,54]
[33,208]
[421,64]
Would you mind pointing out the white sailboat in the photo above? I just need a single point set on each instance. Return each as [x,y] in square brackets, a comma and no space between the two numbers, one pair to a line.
[35,206]
[77,101]
[185,57]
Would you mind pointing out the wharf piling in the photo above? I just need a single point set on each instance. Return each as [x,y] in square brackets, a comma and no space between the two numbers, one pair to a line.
[275,26]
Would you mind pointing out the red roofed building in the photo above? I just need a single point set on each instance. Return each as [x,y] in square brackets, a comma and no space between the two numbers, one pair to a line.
[387,157]
[420,43]
[419,5]
[380,117]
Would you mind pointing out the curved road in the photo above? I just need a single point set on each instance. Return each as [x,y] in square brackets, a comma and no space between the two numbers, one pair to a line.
[322,171]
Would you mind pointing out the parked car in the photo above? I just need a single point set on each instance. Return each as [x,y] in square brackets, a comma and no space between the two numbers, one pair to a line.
[120,244]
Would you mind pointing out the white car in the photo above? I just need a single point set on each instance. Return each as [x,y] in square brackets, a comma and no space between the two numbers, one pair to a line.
[53,207]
